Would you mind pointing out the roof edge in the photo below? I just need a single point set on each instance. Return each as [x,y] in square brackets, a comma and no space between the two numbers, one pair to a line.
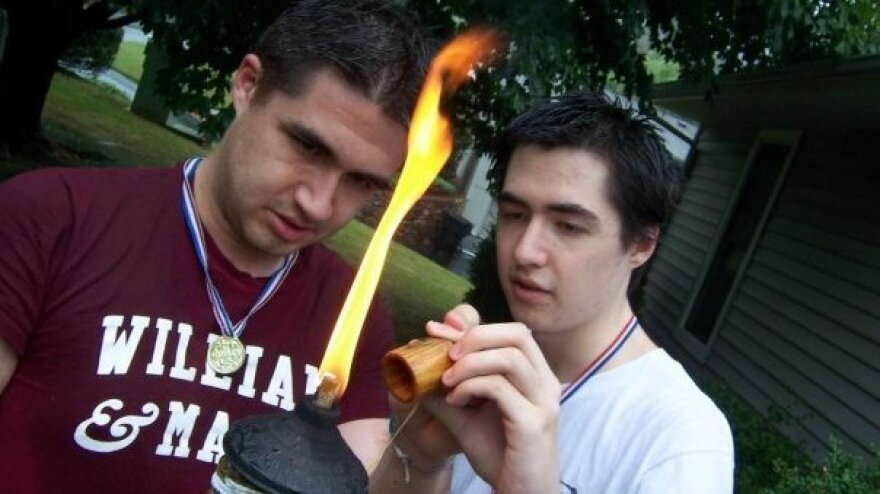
[820,69]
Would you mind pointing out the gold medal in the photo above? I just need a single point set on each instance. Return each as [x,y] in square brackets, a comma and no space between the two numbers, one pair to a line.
[226,355]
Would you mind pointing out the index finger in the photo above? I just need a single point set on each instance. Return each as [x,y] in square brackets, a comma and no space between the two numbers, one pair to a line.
[462,317]
[458,320]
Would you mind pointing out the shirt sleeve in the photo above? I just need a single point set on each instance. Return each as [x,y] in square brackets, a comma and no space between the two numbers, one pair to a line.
[699,460]
[34,206]
[703,472]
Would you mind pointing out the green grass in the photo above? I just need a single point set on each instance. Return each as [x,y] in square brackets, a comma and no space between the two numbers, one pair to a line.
[662,70]
[95,121]
[130,59]
[414,288]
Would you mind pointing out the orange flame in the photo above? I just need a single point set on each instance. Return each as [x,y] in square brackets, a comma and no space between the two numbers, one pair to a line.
[430,144]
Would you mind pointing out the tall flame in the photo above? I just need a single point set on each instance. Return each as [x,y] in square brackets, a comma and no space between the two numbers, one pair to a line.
[430,144]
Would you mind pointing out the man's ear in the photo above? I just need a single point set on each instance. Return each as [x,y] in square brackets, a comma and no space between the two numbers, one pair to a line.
[643,248]
[245,81]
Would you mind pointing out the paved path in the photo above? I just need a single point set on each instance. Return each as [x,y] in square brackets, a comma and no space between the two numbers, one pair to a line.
[127,88]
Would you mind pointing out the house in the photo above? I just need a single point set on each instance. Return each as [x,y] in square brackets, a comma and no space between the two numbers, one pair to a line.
[768,276]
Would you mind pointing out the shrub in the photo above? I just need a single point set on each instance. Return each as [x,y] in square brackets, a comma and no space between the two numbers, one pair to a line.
[758,445]
[94,50]
[840,473]
[768,463]
[487,296]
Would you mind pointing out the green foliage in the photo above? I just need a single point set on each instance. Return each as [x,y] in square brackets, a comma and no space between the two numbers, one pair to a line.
[768,463]
[487,296]
[205,42]
[555,46]
[757,442]
[660,69]
[838,474]
[708,37]
[94,50]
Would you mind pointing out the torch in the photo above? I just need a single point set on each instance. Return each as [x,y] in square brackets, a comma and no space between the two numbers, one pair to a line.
[303,452]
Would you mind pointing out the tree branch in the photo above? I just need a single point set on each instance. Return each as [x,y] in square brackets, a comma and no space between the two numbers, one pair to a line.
[118,21]
[99,15]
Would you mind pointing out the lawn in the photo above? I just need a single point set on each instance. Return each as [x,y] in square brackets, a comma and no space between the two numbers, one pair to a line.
[414,288]
[95,123]
[130,59]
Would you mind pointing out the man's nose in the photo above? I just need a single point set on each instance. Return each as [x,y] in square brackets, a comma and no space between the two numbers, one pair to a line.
[531,250]
[316,199]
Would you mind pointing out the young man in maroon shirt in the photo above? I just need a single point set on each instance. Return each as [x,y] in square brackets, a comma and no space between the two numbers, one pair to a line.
[116,285]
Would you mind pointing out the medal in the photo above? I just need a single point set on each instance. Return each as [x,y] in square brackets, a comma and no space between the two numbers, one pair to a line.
[226,355]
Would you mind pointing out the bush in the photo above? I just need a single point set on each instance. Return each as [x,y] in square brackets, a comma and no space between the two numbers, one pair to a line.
[768,463]
[487,296]
[839,474]
[758,445]
[94,50]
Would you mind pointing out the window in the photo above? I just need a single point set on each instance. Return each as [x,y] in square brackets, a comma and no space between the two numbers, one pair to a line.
[755,194]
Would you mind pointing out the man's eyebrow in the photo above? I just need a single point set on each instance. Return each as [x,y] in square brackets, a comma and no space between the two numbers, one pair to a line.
[561,207]
[301,133]
[575,210]
[511,198]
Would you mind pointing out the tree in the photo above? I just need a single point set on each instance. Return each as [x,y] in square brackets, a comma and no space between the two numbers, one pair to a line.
[204,43]
[39,31]
[93,50]
[707,38]
[555,46]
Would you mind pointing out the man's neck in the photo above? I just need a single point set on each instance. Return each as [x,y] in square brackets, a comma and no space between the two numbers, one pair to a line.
[221,232]
[569,353]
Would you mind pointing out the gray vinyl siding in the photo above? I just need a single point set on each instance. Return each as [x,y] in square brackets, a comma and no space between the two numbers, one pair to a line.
[802,330]
[678,264]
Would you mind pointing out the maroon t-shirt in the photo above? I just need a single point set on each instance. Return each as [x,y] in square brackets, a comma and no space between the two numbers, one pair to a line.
[102,298]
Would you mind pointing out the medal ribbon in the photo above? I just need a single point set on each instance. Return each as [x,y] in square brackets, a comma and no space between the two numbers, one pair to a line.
[191,218]
[596,365]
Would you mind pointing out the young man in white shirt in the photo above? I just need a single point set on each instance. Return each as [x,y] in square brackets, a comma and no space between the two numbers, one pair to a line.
[573,396]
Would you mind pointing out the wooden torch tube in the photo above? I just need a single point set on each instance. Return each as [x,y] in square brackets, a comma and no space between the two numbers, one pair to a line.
[414,369]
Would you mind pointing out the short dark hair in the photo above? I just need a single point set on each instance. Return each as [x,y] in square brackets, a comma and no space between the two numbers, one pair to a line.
[644,182]
[371,44]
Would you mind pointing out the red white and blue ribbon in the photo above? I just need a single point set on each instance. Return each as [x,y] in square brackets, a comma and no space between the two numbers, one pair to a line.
[603,358]
[191,218]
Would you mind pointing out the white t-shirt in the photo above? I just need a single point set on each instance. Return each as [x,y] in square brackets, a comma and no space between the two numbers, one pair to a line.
[643,427]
